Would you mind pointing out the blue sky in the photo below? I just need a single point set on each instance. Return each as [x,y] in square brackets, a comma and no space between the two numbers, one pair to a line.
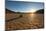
[28,0]
[20,6]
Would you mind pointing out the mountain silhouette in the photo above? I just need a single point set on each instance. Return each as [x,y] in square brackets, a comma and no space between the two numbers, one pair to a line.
[40,11]
[8,11]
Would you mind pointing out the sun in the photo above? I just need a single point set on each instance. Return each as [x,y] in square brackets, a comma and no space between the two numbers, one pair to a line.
[33,10]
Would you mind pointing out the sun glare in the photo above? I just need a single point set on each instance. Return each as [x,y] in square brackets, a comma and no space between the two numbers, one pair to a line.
[32,13]
[32,10]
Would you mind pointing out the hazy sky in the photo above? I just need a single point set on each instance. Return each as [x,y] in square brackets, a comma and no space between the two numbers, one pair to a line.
[23,6]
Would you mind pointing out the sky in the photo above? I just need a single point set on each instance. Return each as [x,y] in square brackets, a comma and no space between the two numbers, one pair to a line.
[28,0]
[23,6]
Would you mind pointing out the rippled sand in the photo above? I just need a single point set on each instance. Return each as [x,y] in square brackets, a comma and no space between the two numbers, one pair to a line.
[25,21]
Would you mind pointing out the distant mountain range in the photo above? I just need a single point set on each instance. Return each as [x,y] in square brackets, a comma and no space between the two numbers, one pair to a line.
[41,11]
[8,11]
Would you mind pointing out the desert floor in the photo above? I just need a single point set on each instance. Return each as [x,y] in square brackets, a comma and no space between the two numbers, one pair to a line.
[24,21]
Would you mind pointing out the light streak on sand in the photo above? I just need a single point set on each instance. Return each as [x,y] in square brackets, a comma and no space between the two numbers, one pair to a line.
[32,15]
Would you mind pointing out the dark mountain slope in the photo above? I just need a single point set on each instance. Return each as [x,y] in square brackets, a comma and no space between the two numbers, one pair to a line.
[8,11]
[40,11]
